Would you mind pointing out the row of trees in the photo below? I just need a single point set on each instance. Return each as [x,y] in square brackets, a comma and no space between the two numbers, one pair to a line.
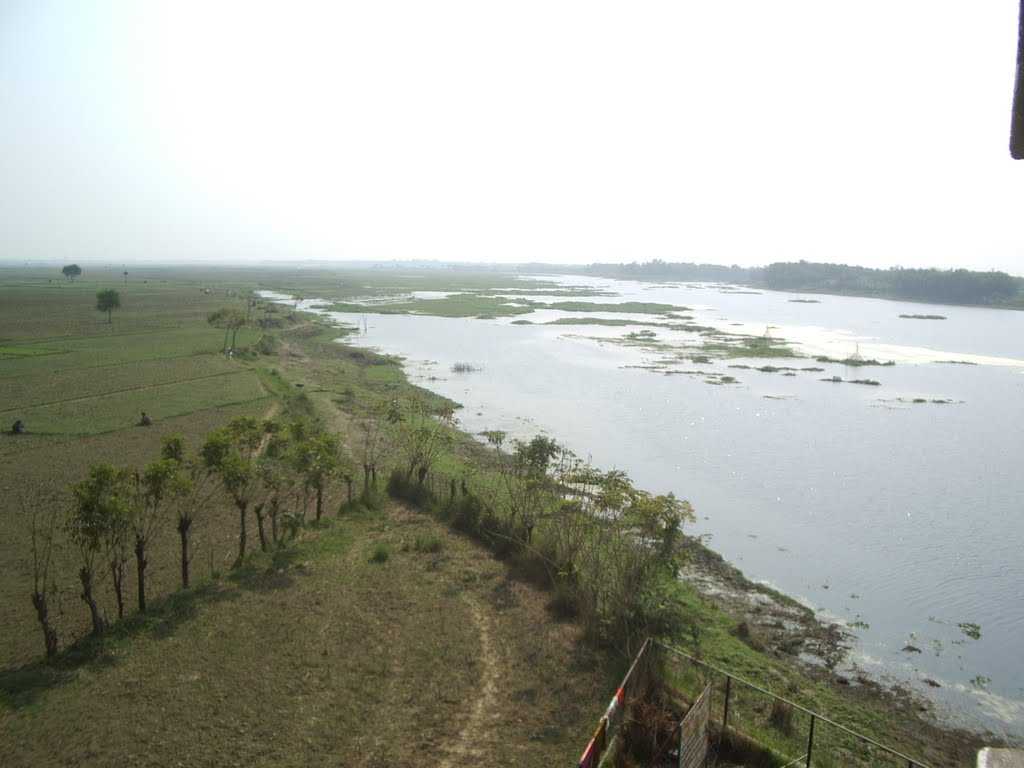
[955,286]
[608,550]
[268,470]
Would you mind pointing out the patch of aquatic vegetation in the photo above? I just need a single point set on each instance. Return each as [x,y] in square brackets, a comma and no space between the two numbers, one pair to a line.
[726,345]
[456,305]
[841,380]
[492,304]
[569,292]
[616,322]
[955,362]
[923,317]
[633,307]
[923,401]
[854,361]
[970,629]
[804,301]
[776,368]
[609,321]
[464,368]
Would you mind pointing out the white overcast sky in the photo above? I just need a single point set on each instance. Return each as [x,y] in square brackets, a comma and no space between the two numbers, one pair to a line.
[735,131]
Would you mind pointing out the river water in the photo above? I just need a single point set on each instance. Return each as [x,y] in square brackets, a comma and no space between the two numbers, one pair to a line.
[903,520]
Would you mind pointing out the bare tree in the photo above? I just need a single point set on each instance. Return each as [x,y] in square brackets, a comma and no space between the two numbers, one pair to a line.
[42,510]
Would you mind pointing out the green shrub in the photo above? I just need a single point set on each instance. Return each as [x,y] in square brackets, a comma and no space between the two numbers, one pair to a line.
[381,553]
[268,344]
[417,494]
[466,513]
[563,600]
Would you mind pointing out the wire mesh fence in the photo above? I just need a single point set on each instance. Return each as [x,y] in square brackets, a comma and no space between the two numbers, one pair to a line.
[752,725]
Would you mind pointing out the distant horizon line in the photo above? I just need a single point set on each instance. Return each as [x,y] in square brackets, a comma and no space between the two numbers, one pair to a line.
[8,263]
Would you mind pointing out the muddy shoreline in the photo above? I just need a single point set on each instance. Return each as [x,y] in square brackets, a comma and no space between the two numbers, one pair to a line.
[789,632]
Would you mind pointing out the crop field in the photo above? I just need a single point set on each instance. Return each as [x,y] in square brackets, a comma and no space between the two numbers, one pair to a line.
[47,462]
[103,351]
[26,390]
[103,413]
[79,385]
[326,652]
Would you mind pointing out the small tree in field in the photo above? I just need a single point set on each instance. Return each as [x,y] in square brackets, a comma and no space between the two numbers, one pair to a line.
[97,516]
[71,271]
[278,482]
[426,434]
[231,320]
[371,446]
[528,488]
[107,301]
[318,460]
[154,490]
[230,452]
[193,492]
[41,510]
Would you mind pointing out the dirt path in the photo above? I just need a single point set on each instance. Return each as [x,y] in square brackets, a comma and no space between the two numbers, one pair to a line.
[471,746]
[272,411]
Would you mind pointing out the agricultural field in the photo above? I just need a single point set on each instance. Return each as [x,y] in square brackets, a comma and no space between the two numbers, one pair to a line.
[79,385]
[324,651]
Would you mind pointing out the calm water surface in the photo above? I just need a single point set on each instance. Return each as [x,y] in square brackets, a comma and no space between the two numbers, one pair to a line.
[907,517]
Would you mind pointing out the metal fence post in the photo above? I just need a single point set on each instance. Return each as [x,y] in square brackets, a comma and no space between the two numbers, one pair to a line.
[810,742]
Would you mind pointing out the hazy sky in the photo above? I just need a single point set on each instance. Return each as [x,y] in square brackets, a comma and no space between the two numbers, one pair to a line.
[736,131]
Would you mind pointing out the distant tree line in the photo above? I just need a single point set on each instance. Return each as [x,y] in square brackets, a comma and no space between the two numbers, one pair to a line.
[955,286]
[665,270]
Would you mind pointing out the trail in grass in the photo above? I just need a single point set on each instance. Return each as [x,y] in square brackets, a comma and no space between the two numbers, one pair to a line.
[470,747]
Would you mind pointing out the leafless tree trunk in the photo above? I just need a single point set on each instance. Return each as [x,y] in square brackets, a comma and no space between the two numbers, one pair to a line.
[41,510]
[98,624]
[184,525]
[258,510]
[242,509]
[140,566]
[117,566]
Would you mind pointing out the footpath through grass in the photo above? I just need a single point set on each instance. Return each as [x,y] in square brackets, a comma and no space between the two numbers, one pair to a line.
[323,655]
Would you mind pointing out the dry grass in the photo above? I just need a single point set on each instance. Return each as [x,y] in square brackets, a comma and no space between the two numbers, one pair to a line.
[323,658]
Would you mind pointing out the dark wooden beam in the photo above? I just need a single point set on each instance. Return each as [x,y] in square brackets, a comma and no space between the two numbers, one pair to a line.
[1017,128]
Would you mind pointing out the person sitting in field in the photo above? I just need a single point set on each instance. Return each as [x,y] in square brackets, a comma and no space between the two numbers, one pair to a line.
[145,421]
[18,428]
